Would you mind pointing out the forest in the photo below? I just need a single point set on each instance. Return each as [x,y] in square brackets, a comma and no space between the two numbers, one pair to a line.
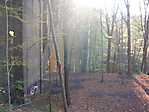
[74,56]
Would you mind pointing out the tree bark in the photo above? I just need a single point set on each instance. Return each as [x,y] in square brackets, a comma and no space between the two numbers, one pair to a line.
[145,47]
[129,38]
[57,57]
[66,71]
[110,29]
[66,63]
[109,55]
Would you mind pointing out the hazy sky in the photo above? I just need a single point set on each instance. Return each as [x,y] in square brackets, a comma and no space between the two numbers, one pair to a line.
[108,4]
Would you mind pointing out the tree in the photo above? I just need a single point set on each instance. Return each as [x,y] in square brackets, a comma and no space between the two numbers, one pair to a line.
[57,57]
[66,68]
[110,29]
[145,37]
[129,36]
[101,31]
[122,43]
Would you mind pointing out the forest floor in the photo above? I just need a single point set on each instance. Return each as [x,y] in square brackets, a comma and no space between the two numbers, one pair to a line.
[117,93]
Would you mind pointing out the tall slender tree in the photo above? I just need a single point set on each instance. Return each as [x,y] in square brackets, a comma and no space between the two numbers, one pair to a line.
[57,56]
[66,63]
[145,37]
[129,36]
[110,29]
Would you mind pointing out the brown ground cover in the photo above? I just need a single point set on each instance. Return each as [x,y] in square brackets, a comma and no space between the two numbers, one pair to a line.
[116,94]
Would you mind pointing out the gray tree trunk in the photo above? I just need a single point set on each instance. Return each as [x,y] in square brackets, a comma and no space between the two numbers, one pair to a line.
[129,38]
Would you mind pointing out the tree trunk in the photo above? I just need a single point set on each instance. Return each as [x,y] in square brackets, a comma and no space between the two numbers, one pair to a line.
[122,45]
[57,56]
[109,55]
[145,47]
[66,63]
[129,39]
[102,61]
[110,29]
[134,56]
[66,71]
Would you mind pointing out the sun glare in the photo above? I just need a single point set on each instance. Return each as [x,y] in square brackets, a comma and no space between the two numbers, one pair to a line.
[97,4]
[89,3]
[108,5]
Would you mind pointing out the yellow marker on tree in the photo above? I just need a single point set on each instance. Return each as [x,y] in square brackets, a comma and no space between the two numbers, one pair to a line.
[12,33]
